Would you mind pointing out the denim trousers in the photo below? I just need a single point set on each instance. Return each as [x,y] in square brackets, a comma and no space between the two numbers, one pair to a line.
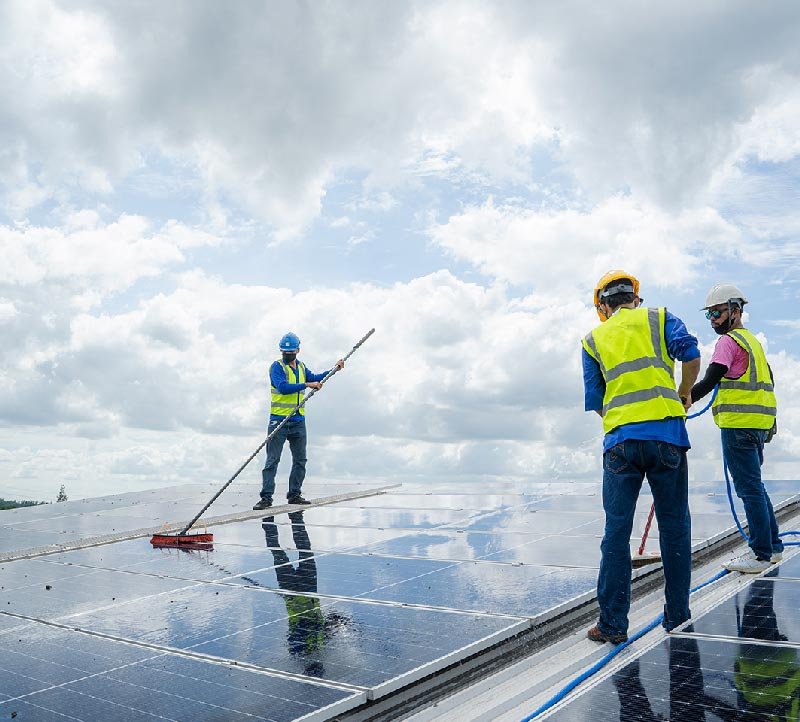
[625,466]
[744,454]
[295,432]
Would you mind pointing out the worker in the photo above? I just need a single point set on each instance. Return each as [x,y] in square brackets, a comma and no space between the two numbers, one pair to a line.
[628,371]
[289,378]
[745,411]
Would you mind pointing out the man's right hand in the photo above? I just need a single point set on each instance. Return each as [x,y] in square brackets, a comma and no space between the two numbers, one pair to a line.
[316,385]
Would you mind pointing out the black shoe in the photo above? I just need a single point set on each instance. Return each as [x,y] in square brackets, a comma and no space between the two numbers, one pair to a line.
[597,635]
[297,500]
[263,504]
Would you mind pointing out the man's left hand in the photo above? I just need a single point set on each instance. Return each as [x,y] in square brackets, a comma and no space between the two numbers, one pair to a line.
[340,364]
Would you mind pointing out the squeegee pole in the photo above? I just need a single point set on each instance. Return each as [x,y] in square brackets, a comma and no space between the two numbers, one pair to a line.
[299,406]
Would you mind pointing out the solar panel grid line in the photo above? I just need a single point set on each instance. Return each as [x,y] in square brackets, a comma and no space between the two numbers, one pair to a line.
[62,648]
[224,709]
[380,602]
[171,673]
[738,640]
[190,653]
[381,690]
[60,716]
[114,712]
[195,580]
[64,684]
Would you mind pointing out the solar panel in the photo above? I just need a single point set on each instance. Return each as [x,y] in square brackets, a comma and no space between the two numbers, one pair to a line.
[687,679]
[764,610]
[318,609]
[52,672]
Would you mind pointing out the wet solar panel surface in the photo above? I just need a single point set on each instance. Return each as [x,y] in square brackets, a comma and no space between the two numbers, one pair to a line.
[366,594]
[686,679]
[49,673]
[765,610]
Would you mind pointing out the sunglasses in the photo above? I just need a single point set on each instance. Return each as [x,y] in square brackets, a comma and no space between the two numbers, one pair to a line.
[715,314]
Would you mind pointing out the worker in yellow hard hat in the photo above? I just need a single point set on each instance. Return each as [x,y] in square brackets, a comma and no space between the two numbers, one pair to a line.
[628,372]
[745,409]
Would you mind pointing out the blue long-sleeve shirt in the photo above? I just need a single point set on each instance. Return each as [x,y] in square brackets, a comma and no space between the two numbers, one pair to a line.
[278,379]
[681,346]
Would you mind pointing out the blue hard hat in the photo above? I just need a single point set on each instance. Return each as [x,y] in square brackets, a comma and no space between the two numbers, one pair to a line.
[289,342]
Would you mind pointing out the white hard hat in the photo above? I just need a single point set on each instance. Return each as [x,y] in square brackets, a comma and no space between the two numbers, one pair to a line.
[722,293]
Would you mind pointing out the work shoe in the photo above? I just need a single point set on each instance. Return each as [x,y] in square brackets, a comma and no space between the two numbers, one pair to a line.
[263,503]
[747,563]
[297,500]
[776,557]
[598,635]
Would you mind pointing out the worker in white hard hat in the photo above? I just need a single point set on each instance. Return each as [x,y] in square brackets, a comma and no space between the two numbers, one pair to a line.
[628,373]
[745,411]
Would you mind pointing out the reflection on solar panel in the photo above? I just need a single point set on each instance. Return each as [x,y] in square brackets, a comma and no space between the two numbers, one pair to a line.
[318,610]
[686,679]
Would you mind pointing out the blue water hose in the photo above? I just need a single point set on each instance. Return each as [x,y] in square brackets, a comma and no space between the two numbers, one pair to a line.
[564,691]
[736,518]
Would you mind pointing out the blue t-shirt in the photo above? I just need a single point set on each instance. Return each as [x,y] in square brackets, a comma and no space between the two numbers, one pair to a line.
[681,346]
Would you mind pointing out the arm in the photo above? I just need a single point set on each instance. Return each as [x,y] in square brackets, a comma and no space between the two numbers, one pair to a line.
[594,385]
[714,374]
[277,377]
[689,372]
[682,346]
[311,376]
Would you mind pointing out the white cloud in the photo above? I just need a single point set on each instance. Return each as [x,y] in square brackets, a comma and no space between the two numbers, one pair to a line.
[108,257]
[560,250]
[609,134]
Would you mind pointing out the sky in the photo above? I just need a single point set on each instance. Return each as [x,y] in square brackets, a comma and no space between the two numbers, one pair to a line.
[181,183]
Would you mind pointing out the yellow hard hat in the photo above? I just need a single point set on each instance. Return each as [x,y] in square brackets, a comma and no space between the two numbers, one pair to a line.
[610,277]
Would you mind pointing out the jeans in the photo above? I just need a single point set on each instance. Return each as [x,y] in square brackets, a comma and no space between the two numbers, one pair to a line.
[744,454]
[295,432]
[624,468]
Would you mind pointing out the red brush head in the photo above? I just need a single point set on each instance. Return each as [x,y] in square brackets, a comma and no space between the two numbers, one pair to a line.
[192,541]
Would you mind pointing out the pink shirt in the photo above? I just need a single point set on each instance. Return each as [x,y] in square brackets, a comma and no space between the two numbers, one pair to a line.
[729,353]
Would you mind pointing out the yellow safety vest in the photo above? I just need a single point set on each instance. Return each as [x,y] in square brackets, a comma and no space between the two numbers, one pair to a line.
[749,401]
[283,404]
[631,350]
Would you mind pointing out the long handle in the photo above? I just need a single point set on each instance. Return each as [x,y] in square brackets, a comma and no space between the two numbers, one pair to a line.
[299,406]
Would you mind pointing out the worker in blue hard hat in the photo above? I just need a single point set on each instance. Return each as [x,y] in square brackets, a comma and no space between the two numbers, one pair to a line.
[289,378]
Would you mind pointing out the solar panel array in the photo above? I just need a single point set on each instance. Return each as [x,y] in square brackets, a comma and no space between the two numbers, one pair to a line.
[740,660]
[293,616]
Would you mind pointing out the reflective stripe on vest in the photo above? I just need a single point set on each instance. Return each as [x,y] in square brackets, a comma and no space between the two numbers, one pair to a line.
[631,350]
[749,401]
[284,404]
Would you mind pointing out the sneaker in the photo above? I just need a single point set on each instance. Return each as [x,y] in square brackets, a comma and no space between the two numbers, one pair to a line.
[263,504]
[297,500]
[776,557]
[597,635]
[747,564]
